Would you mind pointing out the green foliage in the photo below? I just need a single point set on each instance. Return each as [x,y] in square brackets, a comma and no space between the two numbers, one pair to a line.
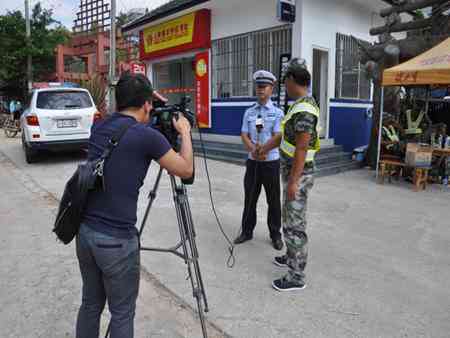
[418,15]
[46,34]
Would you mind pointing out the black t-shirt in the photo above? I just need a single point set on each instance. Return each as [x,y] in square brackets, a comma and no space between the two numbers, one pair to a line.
[113,211]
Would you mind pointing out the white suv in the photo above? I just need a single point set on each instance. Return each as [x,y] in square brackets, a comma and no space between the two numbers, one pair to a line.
[57,118]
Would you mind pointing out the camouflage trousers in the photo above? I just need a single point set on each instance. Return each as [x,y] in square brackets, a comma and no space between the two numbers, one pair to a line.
[294,226]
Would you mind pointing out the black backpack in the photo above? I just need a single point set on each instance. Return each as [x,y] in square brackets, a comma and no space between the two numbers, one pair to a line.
[87,177]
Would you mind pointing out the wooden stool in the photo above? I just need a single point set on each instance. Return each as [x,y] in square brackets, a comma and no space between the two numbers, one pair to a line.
[390,167]
[420,178]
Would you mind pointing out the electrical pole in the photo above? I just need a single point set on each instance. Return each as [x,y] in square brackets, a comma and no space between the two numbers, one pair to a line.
[28,35]
[112,58]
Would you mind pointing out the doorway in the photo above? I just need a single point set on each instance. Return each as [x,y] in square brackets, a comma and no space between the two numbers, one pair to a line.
[176,79]
[320,87]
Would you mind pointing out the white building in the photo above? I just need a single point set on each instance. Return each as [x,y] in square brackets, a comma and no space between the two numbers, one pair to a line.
[209,49]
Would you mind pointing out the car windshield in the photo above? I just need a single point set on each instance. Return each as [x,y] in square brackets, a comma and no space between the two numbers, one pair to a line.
[63,100]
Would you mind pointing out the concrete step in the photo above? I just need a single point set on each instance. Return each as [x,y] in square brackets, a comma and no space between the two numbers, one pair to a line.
[332,157]
[321,158]
[323,169]
[336,168]
[240,149]
[330,160]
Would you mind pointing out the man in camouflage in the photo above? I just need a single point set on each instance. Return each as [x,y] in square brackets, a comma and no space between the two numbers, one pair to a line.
[299,141]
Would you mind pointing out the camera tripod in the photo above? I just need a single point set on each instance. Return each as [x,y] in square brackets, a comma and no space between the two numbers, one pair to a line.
[188,252]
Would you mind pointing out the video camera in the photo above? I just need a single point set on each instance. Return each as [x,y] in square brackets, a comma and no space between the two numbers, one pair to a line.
[163,114]
[161,119]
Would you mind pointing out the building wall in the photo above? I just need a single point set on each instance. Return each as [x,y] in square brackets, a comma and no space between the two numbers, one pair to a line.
[316,26]
[232,17]
[348,121]
[322,19]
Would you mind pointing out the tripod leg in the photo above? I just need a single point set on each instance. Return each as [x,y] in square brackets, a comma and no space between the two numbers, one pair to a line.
[187,239]
[191,229]
[197,283]
[152,197]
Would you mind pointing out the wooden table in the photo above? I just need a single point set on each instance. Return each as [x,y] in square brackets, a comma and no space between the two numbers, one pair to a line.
[390,167]
[441,152]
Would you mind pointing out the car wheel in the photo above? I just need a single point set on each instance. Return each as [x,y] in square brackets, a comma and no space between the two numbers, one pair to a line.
[31,156]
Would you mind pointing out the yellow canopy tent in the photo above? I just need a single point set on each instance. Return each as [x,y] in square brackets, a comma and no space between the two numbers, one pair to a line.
[429,68]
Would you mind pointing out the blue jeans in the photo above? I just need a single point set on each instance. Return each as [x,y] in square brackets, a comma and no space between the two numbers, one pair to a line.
[110,270]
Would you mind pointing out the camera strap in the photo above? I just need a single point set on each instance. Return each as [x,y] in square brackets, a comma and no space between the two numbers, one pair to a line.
[111,145]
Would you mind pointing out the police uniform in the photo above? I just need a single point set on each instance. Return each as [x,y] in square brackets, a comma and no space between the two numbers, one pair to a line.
[262,172]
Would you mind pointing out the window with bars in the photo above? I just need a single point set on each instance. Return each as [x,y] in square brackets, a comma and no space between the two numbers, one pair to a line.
[351,78]
[235,59]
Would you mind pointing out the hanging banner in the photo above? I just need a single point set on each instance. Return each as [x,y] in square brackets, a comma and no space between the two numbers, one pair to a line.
[188,32]
[202,96]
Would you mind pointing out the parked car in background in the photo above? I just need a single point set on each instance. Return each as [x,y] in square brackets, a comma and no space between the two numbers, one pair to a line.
[57,118]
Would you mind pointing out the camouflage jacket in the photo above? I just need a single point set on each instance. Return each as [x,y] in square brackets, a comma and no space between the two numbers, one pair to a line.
[301,122]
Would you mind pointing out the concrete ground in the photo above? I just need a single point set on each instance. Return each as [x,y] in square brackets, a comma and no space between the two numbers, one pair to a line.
[379,255]
[40,284]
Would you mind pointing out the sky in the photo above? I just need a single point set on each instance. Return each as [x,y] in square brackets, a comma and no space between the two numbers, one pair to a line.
[64,10]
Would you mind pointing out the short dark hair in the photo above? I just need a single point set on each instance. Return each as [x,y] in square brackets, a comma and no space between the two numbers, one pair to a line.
[132,91]
[300,75]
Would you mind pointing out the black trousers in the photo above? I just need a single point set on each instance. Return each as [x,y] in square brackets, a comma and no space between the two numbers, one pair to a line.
[260,174]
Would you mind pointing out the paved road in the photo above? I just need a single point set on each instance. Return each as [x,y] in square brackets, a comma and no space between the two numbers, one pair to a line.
[379,255]
[40,283]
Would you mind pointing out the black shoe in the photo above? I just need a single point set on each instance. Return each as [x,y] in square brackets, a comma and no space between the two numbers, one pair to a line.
[242,238]
[283,284]
[277,244]
[280,261]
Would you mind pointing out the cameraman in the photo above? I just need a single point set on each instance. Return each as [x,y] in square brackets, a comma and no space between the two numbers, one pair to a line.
[107,243]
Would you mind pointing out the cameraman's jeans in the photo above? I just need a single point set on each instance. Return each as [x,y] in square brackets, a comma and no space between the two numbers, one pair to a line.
[110,271]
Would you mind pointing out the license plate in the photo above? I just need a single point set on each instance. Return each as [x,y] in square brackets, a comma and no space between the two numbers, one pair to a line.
[66,123]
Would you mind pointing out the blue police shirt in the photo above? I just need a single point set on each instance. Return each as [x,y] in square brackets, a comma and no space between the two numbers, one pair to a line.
[272,117]
[113,212]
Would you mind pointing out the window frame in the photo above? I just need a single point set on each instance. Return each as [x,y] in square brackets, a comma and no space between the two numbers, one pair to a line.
[347,48]
[224,53]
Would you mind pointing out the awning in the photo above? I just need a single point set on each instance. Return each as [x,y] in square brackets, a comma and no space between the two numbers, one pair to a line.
[429,68]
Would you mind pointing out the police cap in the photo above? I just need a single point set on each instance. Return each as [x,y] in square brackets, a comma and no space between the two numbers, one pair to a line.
[264,77]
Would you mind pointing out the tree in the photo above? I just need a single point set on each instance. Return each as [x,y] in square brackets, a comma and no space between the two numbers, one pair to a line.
[422,33]
[125,17]
[46,34]
[13,53]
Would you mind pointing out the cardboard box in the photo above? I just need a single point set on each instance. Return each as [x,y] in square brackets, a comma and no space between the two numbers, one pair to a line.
[418,155]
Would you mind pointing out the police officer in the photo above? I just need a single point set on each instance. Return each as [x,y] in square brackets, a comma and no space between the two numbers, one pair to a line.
[261,123]
[299,141]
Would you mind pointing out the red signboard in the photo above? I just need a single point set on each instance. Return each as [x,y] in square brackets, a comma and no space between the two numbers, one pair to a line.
[137,68]
[133,67]
[202,100]
[186,33]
